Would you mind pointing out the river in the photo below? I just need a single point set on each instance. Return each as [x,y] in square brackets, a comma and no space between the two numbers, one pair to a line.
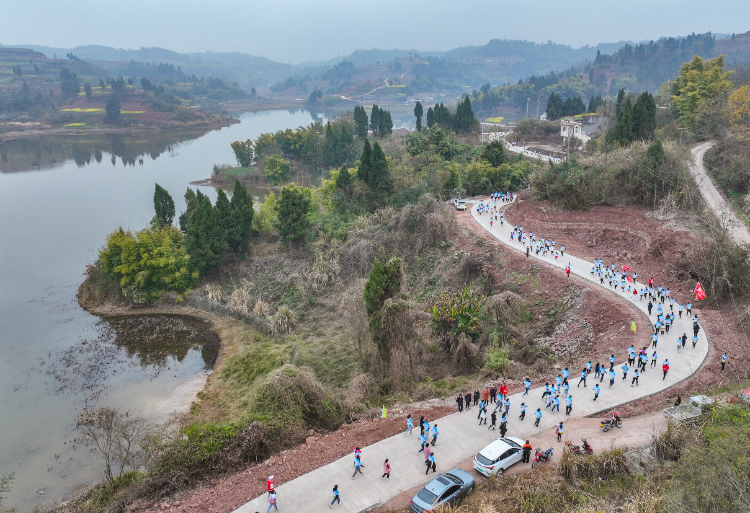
[59,198]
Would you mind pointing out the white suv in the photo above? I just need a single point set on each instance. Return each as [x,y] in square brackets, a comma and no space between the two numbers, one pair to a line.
[498,456]
[459,204]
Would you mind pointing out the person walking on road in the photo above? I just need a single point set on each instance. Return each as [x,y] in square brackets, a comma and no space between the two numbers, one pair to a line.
[523,411]
[557,404]
[653,359]
[503,429]
[665,368]
[723,359]
[422,441]
[625,370]
[421,425]
[611,361]
[476,397]
[460,402]
[559,431]
[583,378]
[434,435]
[568,405]
[410,425]
[526,452]
[611,378]
[483,416]
[493,421]
[538,415]
[635,378]
[596,391]
[430,464]
[272,501]
[357,466]
[467,400]
[270,485]
[386,470]
[526,385]
[336,497]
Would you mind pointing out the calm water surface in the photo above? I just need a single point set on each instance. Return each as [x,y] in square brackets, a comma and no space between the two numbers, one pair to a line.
[58,200]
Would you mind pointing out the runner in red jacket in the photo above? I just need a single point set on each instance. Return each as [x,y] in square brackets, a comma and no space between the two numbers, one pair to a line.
[665,368]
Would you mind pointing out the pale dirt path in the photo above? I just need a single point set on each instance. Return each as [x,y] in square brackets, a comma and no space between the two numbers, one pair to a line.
[460,436]
[737,230]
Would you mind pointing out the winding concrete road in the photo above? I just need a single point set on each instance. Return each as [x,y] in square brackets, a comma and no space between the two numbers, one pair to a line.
[460,435]
[736,229]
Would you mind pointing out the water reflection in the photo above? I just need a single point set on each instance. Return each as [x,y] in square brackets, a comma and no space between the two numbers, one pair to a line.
[152,339]
[35,153]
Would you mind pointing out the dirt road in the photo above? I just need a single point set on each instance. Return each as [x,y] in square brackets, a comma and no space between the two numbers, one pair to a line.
[737,229]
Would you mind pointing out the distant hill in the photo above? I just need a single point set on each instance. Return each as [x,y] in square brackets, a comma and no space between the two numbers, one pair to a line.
[645,66]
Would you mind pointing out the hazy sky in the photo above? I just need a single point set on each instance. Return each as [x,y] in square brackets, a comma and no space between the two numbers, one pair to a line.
[302,30]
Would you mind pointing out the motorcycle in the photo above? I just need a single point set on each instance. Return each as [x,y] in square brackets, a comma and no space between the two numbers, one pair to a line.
[583,449]
[608,424]
[542,456]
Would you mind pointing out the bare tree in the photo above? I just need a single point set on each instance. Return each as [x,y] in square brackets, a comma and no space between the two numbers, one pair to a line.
[116,435]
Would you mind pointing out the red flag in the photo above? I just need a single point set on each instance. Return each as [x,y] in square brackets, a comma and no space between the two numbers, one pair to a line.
[700,294]
[625,267]
[629,278]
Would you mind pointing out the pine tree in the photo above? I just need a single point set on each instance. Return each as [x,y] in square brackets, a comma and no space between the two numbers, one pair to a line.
[385,123]
[365,164]
[225,210]
[293,209]
[206,238]
[360,122]
[418,113]
[375,118]
[380,178]
[190,202]
[163,206]
[430,117]
[618,105]
[240,228]
[344,180]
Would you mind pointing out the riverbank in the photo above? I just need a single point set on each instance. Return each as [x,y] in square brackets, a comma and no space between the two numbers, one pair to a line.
[16,130]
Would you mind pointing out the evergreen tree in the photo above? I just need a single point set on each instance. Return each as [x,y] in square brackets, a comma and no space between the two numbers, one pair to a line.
[190,202]
[225,210]
[163,206]
[495,153]
[464,120]
[385,123]
[618,105]
[430,117]
[623,132]
[365,164]
[87,90]
[555,107]
[344,180]
[360,122]
[418,113]
[375,118]
[293,210]
[383,283]
[240,227]
[206,238]
[644,117]
[113,108]
[380,182]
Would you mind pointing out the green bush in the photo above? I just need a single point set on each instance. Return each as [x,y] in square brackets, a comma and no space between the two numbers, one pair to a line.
[148,263]
[497,359]
[277,169]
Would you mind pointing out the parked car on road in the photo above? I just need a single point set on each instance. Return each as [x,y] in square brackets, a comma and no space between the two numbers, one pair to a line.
[448,488]
[498,456]
[459,204]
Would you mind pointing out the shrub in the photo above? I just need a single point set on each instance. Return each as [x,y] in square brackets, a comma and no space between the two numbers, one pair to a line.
[277,169]
[148,263]
[458,312]
[497,359]
[609,463]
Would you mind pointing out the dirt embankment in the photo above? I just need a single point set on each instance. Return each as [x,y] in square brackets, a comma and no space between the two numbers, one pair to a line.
[650,245]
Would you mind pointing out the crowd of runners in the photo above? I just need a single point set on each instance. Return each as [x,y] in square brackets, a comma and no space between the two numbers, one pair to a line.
[493,401]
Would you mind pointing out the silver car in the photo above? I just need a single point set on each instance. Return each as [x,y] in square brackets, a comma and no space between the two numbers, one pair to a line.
[448,488]
[498,456]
